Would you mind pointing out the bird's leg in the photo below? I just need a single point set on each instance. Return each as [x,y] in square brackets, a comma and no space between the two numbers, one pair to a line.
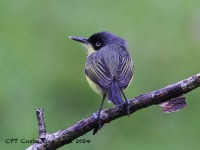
[97,117]
[126,103]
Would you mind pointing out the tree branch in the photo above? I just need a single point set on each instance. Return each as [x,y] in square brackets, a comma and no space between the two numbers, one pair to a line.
[65,136]
[41,123]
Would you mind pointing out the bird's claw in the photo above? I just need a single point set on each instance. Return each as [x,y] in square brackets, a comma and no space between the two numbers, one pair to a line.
[127,106]
[99,126]
[95,115]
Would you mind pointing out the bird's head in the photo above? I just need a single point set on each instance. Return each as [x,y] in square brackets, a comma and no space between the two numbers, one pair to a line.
[99,40]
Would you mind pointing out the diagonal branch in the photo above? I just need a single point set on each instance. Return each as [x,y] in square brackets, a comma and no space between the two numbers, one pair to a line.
[65,136]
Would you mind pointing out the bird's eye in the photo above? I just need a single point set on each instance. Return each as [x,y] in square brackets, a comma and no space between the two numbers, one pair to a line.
[98,44]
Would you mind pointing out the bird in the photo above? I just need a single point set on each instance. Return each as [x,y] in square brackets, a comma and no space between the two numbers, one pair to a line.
[108,68]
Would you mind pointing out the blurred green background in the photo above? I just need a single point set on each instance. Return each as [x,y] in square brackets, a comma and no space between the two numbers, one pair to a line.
[41,67]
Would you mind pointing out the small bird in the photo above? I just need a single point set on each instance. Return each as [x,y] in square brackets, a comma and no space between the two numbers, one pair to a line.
[108,69]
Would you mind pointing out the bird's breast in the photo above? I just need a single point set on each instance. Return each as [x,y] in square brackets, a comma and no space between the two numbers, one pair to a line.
[95,86]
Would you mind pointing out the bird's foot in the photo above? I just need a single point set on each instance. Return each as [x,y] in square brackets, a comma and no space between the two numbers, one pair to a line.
[127,106]
[99,123]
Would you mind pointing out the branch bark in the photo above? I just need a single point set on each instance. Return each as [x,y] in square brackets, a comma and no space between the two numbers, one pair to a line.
[41,124]
[65,136]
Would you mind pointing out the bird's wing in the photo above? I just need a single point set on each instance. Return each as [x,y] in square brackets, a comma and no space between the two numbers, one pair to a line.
[124,71]
[97,70]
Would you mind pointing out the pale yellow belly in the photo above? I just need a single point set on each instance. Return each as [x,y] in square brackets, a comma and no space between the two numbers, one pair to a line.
[94,86]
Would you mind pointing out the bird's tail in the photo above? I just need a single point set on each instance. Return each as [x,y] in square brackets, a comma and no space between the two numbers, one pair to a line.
[114,94]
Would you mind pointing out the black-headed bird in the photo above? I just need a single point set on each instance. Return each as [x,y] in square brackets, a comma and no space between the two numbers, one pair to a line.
[108,69]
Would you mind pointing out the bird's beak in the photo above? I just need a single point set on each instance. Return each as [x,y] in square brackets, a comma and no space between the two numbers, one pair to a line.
[79,39]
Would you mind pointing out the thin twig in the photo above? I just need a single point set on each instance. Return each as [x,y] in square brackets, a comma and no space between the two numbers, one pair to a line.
[65,136]
[41,123]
